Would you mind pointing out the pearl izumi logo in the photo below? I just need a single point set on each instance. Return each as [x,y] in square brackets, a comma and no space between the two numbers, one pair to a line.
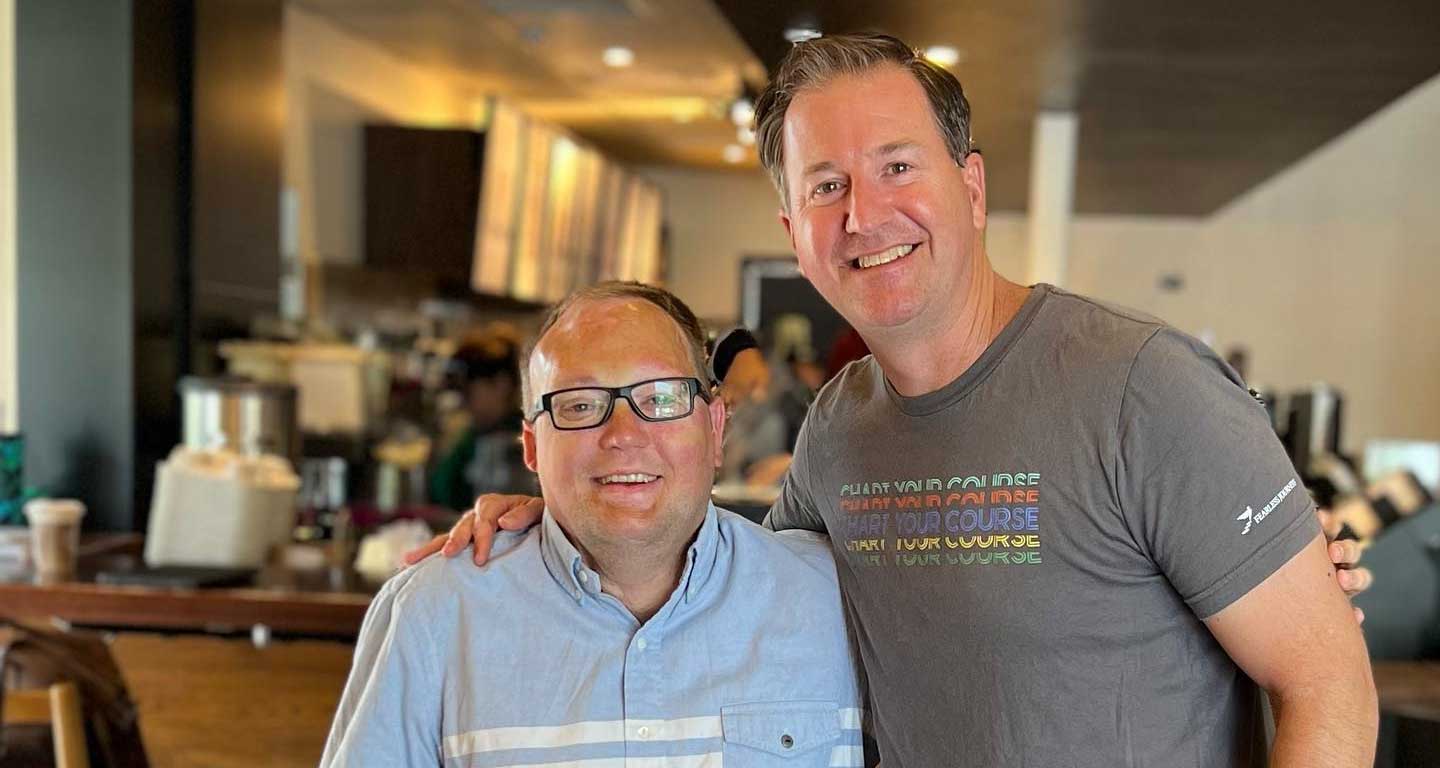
[1253,519]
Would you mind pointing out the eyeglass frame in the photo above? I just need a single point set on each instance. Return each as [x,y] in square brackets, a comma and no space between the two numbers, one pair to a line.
[698,389]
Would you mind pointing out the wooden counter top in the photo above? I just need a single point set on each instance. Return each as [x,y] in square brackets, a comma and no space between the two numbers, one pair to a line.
[309,603]
[1409,688]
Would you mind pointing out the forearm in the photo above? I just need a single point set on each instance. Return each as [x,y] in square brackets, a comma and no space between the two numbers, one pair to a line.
[1333,723]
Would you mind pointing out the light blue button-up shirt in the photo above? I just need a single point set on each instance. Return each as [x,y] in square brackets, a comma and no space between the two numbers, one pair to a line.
[526,662]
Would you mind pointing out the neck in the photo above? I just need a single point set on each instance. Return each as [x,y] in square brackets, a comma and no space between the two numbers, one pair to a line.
[642,578]
[920,361]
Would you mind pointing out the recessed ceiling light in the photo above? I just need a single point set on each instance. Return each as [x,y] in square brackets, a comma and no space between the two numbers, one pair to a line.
[734,153]
[798,35]
[742,112]
[618,56]
[944,55]
[745,135]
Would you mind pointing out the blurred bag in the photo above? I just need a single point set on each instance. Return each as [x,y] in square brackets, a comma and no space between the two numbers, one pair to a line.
[32,658]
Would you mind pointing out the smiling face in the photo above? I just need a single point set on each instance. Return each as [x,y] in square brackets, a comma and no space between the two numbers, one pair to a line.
[885,223]
[627,482]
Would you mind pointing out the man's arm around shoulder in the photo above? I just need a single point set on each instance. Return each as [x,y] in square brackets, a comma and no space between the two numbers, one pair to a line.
[1295,636]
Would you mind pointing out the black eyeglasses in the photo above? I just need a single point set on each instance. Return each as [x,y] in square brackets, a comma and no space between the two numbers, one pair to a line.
[653,400]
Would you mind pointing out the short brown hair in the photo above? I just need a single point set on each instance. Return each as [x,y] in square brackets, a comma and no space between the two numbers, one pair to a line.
[617,289]
[813,63]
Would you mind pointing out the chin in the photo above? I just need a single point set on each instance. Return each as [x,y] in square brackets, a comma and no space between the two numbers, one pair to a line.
[625,517]
[876,312]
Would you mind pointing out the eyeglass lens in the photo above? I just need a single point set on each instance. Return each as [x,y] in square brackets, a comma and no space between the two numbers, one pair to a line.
[661,400]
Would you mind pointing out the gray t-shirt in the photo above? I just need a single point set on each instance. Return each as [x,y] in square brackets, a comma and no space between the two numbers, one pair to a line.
[1027,553]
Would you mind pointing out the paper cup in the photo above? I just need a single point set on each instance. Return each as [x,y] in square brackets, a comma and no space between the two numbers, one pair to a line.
[55,536]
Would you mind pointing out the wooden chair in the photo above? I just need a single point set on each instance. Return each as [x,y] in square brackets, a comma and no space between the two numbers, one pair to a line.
[59,707]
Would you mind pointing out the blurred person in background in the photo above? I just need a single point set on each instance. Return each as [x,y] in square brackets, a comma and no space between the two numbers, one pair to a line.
[757,448]
[846,348]
[768,396]
[486,456]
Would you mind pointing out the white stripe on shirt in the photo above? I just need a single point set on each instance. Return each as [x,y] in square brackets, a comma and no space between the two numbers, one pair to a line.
[707,760]
[847,756]
[574,734]
[604,731]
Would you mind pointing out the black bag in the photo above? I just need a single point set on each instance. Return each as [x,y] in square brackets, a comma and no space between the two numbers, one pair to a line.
[32,657]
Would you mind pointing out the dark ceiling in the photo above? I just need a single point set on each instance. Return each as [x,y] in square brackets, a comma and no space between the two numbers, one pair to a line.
[1183,106]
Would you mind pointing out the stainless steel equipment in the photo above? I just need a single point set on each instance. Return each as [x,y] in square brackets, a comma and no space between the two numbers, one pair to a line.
[246,416]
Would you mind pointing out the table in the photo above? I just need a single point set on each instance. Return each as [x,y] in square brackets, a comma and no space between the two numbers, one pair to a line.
[1410,713]
[314,603]
[1409,688]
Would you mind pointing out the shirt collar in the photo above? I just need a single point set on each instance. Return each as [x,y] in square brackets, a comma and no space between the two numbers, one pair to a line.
[563,561]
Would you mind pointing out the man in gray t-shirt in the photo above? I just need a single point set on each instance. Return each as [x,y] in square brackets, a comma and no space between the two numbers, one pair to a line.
[1032,547]
[1065,534]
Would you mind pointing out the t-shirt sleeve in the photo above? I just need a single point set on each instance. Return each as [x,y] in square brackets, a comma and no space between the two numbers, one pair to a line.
[1202,480]
[389,714]
[795,507]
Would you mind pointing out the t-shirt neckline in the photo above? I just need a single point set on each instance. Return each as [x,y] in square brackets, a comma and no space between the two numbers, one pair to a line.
[930,402]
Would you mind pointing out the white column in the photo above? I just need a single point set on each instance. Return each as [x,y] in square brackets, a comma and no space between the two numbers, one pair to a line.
[9,279]
[1052,194]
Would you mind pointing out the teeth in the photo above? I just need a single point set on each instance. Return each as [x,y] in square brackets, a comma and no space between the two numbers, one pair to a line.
[631,478]
[885,257]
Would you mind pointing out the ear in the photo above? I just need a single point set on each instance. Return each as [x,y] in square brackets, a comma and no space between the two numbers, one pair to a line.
[790,233]
[527,440]
[717,428]
[974,174]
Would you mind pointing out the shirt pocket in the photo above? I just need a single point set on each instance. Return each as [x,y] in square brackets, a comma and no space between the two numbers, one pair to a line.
[780,733]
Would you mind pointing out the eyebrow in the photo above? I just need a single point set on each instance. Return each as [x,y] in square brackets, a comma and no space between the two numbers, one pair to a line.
[883,151]
[823,165]
[895,146]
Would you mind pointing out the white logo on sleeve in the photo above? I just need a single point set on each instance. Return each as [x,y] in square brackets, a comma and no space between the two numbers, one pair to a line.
[1252,518]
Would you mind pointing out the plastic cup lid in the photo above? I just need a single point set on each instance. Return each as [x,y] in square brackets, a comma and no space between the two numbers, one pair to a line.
[55,511]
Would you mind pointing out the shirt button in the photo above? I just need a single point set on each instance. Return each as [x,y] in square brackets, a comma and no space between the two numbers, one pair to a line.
[584,577]
[641,643]
[643,732]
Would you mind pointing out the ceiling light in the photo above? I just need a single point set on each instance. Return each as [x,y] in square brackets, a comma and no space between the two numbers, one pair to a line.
[944,55]
[734,153]
[745,135]
[798,35]
[618,56]
[742,112]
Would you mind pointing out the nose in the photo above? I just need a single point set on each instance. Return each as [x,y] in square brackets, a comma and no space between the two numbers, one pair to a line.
[624,429]
[866,210]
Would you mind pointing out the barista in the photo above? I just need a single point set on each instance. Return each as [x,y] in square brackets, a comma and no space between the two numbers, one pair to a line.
[487,457]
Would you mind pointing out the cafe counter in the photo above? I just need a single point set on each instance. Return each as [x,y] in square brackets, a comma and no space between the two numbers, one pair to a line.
[321,603]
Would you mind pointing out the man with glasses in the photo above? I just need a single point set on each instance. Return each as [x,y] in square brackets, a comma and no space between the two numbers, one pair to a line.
[637,622]
[1065,532]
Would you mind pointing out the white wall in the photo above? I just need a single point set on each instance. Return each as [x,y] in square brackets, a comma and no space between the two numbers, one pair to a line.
[715,219]
[1121,259]
[9,297]
[1331,270]
[335,83]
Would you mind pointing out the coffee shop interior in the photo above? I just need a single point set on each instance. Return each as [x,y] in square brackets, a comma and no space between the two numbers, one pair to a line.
[267,267]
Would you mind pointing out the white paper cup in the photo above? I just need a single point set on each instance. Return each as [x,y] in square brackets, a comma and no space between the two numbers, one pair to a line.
[55,536]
